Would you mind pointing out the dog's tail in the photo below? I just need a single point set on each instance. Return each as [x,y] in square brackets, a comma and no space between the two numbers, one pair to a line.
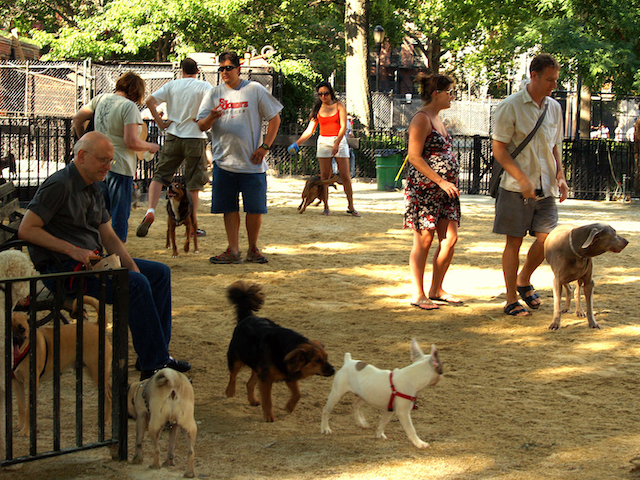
[246,298]
[329,181]
[347,358]
[170,381]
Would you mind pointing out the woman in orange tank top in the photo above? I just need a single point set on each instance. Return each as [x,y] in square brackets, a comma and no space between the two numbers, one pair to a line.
[331,115]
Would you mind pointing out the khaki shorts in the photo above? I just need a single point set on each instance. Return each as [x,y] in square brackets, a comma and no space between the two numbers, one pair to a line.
[176,150]
[515,218]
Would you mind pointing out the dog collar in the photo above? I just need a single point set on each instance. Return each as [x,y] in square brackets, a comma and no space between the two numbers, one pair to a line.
[19,357]
[573,249]
[395,393]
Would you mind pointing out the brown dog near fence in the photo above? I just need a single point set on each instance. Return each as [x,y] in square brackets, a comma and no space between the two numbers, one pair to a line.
[44,360]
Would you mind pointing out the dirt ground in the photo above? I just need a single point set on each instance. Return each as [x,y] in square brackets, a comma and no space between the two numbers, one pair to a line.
[516,401]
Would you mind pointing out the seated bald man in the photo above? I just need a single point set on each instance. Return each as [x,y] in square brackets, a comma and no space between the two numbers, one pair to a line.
[68,217]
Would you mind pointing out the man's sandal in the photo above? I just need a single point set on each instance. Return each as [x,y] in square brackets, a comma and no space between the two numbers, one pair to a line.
[528,299]
[516,310]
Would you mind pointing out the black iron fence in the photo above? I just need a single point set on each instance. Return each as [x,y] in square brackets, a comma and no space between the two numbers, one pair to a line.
[57,433]
[33,148]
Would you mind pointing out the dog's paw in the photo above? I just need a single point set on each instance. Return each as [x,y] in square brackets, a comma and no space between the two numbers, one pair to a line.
[169,462]
[189,474]
[155,466]
[137,460]
[326,431]
[381,435]
[580,313]
[196,251]
[270,418]
[420,444]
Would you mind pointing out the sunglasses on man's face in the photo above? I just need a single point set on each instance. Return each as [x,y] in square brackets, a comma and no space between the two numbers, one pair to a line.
[226,68]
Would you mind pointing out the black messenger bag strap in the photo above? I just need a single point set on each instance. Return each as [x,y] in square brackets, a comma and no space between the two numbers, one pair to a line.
[526,141]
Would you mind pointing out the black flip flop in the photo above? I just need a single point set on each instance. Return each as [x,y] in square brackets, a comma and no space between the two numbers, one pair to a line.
[514,309]
[529,299]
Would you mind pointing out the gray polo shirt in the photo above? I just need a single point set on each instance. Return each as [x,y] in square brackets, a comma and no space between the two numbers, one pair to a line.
[71,210]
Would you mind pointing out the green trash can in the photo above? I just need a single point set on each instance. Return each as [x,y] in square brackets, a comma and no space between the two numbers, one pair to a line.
[388,164]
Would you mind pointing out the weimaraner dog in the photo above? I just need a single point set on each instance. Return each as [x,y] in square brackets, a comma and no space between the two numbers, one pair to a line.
[569,251]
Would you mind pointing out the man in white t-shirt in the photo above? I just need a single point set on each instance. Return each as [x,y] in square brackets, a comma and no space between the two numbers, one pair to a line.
[234,111]
[184,141]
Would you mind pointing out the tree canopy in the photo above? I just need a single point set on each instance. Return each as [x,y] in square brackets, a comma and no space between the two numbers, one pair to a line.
[596,39]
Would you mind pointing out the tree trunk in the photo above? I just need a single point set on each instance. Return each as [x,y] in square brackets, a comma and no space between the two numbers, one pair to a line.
[356,26]
[585,112]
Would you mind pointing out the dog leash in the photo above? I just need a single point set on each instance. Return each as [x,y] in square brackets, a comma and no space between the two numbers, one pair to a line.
[395,393]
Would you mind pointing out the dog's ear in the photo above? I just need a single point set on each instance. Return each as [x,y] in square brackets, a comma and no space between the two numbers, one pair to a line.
[434,360]
[296,359]
[595,230]
[416,352]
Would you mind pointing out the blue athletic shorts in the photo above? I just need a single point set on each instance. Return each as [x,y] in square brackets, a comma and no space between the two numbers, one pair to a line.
[228,185]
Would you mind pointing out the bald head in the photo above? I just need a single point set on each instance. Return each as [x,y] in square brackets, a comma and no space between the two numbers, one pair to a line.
[93,156]
[92,140]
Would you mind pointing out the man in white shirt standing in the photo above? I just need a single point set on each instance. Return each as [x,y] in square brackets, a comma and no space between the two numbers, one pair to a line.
[184,141]
[234,111]
[531,181]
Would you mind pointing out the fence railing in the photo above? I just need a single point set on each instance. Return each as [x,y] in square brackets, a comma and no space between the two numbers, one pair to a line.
[57,434]
[33,148]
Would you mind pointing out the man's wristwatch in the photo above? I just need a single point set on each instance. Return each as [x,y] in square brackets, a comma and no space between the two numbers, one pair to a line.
[265,146]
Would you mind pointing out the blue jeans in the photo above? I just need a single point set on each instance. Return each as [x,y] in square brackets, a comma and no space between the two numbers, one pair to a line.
[149,309]
[120,190]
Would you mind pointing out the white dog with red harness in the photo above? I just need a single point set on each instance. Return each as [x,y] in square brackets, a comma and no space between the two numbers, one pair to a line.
[394,390]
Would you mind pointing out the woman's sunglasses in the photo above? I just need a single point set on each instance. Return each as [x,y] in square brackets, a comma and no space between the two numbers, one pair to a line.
[226,68]
[323,94]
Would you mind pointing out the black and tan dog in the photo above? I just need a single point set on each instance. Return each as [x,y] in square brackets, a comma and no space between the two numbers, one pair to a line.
[313,190]
[272,352]
[44,360]
[180,212]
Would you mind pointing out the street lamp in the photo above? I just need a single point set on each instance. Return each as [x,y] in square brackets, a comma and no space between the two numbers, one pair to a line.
[378,38]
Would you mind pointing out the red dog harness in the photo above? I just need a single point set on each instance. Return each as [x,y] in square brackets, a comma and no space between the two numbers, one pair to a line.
[395,394]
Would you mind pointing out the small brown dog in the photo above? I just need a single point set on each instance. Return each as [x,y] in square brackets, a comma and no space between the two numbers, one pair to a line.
[180,212]
[165,398]
[44,360]
[313,189]
[272,352]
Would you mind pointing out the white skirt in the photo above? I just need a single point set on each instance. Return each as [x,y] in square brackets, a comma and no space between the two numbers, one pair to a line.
[325,146]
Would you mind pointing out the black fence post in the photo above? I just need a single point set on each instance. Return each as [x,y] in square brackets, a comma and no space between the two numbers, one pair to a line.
[68,141]
[476,164]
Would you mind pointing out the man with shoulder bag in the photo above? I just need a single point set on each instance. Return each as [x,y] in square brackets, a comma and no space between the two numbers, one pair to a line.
[528,126]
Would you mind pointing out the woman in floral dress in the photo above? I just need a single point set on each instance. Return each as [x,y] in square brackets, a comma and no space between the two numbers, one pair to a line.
[432,198]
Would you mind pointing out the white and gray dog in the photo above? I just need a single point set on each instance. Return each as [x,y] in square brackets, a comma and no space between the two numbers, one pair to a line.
[394,391]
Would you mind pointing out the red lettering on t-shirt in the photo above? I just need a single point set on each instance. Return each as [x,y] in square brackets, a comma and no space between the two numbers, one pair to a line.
[225,105]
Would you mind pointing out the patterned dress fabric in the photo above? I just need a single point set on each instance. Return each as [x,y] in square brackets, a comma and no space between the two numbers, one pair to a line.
[425,202]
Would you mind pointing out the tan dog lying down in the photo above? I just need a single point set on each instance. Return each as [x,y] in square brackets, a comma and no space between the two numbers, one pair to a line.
[44,360]
[164,399]
[569,251]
